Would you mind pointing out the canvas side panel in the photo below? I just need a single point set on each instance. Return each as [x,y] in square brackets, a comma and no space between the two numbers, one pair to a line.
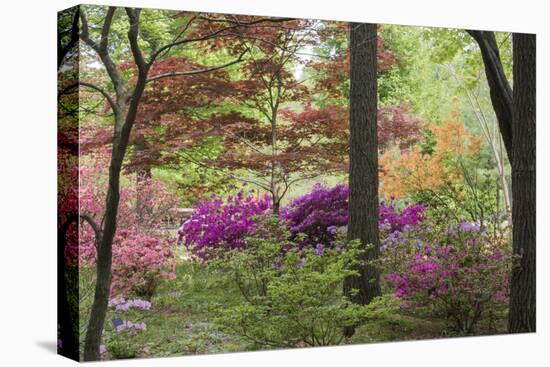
[67,183]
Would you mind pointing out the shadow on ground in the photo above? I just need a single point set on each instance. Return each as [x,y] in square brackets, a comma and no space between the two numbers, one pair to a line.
[48,345]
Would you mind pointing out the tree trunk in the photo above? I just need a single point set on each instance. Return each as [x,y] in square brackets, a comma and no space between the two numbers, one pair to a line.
[363,174]
[522,316]
[123,127]
[274,187]
[104,258]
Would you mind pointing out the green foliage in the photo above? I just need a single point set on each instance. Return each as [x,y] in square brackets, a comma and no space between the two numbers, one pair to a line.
[191,179]
[291,297]
[415,79]
[428,142]
[476,196]
[122,346]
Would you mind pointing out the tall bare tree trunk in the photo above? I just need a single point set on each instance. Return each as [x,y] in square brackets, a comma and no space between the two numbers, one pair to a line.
[363,174]
[522,316]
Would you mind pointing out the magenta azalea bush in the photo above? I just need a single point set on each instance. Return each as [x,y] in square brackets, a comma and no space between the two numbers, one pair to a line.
[391,219]
[223,224]
[464,277]
[319,213]
[312,219]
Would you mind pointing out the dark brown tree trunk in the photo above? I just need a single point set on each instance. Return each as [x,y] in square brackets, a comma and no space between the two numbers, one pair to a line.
[363,174]
[104,260]
[522,317]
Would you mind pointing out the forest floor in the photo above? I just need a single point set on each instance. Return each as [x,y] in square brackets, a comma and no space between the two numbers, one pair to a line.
[181,319]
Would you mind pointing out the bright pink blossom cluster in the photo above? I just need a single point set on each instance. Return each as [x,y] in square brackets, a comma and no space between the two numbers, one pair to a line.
[138,259]
[219,223]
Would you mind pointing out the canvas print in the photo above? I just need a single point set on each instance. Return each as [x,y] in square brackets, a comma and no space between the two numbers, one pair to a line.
[247,182]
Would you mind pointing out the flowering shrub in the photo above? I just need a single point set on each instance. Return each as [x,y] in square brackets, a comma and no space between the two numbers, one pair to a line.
[219,223]
[140,261]
[121,304]
[130,327]
[319,213]
[464,277]
[402,233]
[142,250]
[391,219]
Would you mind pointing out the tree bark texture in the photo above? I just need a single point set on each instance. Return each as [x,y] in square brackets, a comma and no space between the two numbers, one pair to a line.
[522,317]
[363,174]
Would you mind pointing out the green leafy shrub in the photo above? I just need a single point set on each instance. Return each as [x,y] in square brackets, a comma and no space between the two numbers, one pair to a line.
[292,297]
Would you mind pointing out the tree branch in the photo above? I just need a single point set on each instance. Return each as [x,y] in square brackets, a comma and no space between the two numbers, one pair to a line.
[500,90]
[193,72]
[103,53]
[211,35]
[133,15]
[104,42]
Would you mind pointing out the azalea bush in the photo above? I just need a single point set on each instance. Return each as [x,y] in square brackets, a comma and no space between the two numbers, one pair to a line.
[293,297]
[140,262]
[223,223]
[392,219]
[402,233]
[318,214]
[312,219]
[142,248]
[464,277]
